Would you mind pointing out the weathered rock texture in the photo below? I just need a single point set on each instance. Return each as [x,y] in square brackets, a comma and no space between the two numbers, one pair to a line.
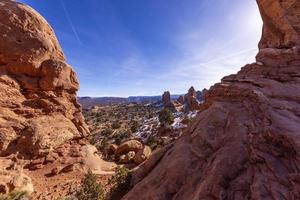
[191,101]
[167,102]
[38,106]
[245,142]
[282,26]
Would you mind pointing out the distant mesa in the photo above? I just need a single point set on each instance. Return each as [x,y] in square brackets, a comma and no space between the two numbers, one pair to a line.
[88,102]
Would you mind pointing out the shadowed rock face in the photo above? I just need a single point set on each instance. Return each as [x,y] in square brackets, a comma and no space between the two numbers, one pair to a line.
[245,142]
[38,106]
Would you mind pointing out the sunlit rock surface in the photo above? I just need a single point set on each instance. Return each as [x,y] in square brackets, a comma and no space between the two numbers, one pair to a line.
[38,106]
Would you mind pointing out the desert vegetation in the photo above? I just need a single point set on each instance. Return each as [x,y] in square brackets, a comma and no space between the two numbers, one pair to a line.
[91,189]
[15,195]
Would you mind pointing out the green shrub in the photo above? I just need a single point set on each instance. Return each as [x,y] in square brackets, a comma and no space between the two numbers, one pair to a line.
[107,132]
[100,136]
[152,142]
[14,195]
[120,183]
[134,126]
[101,146]
[90,189]
[166,117]
[121,136]
[115,125]
[186,120]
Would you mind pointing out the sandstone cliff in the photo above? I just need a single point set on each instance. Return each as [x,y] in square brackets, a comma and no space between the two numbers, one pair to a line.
[38,106]
[245,142]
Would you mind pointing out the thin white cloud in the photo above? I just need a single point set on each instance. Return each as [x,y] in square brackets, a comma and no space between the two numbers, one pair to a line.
[70,21]
[206,59]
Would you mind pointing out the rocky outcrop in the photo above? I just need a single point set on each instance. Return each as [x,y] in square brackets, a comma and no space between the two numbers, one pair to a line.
[281,27]
[142,155]
[15,181]
[38,106]
[180,99]
[131,145]
[132,151]
[167,102]
[184,103]
[191,101]
[245,142]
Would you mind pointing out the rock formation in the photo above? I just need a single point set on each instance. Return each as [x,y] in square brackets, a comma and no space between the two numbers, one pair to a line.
[245,142]
[181,99]
[167,102]
[191,101]
[38,106]
[131,150]
[281,27]
[15,181]
[185,103]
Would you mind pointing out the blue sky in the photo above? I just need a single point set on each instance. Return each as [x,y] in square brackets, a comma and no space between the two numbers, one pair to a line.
[144,47]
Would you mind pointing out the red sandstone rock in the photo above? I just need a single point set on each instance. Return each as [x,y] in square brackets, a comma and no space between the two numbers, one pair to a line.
[245,142]
[131,145]
[190,100]
[142,155]
[38,106]
[167,102]
[281,23]
[181,99]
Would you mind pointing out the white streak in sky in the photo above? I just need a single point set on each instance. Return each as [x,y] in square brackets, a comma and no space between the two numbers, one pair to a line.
[70,21]
[232,55]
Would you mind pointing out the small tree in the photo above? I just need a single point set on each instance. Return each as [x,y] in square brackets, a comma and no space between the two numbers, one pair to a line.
[121,136]
[115,125]
[90,189]
[120,183]
[153,142]
[186,120]
[107,132]
[166,117]
[134,126]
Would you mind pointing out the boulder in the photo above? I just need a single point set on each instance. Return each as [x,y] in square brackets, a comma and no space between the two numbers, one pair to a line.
[37,86]
[142,155]
[92,161]
[112,148]
[131,145]
[21,182]
[3,188]
[69,168]
[123,159]
[56,170]
[15,180]
[130,155]
[126,158]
